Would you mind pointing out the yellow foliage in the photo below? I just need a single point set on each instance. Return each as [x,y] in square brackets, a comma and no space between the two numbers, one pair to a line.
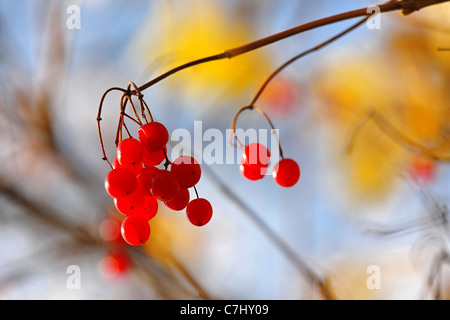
[407,86]
[206,30]
[172,237]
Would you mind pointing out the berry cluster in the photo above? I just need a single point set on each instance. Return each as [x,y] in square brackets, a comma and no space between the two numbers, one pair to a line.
[255,162]
[137,185]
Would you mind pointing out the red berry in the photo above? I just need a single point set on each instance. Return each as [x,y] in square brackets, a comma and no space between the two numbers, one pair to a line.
[114,264]
[135,169]
[115,164]
[165,186]
[199,211]
[150,208]
[130,204]
[286,173]
[151,159]
[135,230]
[180,201]
[109,229]
[187,171]
[256,154]
[153,136]
[129,152]
[144,179]
[252,172]
[120,182]
[422,168]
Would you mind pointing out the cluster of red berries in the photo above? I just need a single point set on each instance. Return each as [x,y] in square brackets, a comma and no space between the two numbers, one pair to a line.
[137,184]
[255,162]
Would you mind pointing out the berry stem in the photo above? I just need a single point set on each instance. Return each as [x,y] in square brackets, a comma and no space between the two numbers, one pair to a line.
[233,126]
[301,55]
[126,129]
[131,118]
[196,192]
[144,106]
[99,119]
[252,106]
[119,131]
[167,163]
[127,97]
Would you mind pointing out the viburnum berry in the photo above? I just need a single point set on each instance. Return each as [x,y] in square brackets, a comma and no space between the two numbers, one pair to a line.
[135,230]
[136,169]
[165,186]
[252,172]
[144,179]
[120,182]
[256,154]
[255,161]
[153,136]
[150,208]
[180,201]
[199,211]
[151,159]
[129,152]
[130,204]
[187,171]
[109,229]
[114,264]
[286,173]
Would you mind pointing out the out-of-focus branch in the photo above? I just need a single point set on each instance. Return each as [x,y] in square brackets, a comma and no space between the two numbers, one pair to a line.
[438,152]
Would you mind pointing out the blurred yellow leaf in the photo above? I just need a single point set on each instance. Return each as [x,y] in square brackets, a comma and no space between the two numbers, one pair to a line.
[407,86]
[206,30]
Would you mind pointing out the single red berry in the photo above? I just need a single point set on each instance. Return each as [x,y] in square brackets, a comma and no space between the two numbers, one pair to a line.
[150,208]
[165,186]
[286,173]
[144,179]
[422,168]
[187,171]
[180,201]
[151,159]
[120,182]
[199,212]
[153,136]
[129,152]
[252,172]
[135,169]
[109,229]
[130,204]
[114,264]
[115,164]
[135,230]
[256,154]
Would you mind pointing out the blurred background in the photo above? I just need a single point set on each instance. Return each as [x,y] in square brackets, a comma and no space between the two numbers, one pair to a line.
[366,118]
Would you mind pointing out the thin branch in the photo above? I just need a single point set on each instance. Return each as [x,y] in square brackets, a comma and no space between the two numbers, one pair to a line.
[304,269]
[406,6]
[252,106]
[395,135]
